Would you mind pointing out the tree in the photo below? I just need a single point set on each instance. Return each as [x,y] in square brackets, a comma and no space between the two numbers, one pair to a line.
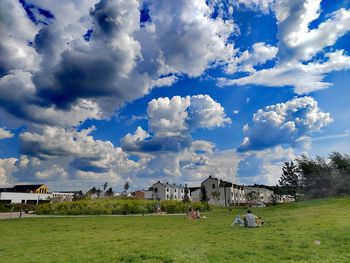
[203,195]
[289,181]
[109,192]
[317,177]
[341,169]
[126,187]
[186,198]
[105,185]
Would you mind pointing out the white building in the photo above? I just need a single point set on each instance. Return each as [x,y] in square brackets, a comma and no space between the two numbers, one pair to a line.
[223,193]
[167,191]
[62,196]
[24,198]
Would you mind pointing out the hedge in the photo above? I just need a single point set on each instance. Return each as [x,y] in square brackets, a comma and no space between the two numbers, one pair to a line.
[110,206]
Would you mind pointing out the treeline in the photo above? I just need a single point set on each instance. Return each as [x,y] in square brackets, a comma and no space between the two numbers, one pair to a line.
[315,178]
[111,206]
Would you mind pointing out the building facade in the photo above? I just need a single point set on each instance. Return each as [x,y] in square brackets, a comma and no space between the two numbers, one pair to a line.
[24,198]
[223,193]
[165,191]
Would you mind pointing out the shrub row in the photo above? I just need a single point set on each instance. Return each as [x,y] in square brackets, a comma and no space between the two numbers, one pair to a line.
[116,207]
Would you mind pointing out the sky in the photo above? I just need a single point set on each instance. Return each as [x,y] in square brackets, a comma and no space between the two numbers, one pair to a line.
[140,91]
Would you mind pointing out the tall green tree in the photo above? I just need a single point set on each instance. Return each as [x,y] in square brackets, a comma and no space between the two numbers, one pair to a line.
[290,182]
[341,168]
[186,198]
[317,177]
[109,192]
[126,186]
[203,194]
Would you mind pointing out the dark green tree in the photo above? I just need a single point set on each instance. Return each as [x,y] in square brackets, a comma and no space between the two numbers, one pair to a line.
[186,198]
[105,185]
[341,168]
[126,187]
[289,182]
[109,192]
[203,194]
[317,177]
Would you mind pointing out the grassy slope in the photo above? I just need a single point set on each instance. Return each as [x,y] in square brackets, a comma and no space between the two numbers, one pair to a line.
[288,236]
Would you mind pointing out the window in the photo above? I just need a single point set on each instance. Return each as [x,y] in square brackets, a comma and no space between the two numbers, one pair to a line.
[182,191]
[167,196]
[155,189]
[213,186]
[167,189]
[175,190]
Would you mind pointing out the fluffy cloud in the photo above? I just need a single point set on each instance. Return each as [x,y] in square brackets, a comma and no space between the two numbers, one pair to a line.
[246,61]
[263,167]
[303,61]
[77,150]
[190,165]
[264,6]
[169,117]
[284,123]
[304,77]
[4,134]
[96,53]
[182,37]
[296,40]
[171,122]
[7,168]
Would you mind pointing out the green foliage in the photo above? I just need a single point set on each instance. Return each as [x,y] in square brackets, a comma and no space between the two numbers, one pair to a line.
[111,206]
[186,198]
[203,194]
[325,178]
[126,186]
[17,207]
[289,182]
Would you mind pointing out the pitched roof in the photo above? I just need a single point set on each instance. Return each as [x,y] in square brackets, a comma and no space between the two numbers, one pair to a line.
[225,184]
[25,187]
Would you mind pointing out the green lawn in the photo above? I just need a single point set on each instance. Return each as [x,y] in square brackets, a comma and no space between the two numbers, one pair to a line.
[287,236]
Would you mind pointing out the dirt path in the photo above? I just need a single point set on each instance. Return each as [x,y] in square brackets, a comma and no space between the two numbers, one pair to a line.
[16,215]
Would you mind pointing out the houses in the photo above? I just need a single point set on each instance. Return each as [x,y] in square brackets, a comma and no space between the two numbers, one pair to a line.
[219,192]
[223,193]
[165,191]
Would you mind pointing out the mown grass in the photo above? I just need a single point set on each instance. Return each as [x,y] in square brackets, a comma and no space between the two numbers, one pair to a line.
[287,236]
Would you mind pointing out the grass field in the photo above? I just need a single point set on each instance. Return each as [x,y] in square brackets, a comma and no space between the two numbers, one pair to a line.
[287,236]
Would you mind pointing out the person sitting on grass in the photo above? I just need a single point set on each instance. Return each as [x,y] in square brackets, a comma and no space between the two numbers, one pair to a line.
[250,219]
[238,221]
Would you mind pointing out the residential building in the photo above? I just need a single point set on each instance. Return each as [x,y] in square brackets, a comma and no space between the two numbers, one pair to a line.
[223,193]
[195,194]
[166,191]
[61,196]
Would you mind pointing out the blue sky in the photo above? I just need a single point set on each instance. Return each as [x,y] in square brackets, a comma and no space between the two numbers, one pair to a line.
[138,91]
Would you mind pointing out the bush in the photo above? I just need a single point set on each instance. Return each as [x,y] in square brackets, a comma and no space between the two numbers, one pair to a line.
[111,206]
